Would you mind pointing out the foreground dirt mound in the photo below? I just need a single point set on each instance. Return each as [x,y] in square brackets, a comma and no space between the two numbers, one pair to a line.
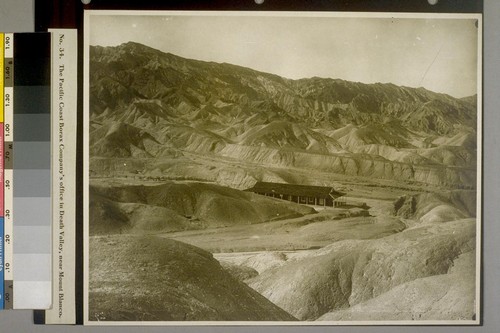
[181,206]
[446,296]
[351,272]
[146,278]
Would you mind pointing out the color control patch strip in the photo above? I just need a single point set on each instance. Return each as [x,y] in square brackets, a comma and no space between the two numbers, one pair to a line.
[32,173]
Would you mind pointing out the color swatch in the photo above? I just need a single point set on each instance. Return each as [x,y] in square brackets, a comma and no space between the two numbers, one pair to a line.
[31,181]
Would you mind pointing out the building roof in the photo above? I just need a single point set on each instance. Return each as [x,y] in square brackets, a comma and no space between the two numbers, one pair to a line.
[297,190]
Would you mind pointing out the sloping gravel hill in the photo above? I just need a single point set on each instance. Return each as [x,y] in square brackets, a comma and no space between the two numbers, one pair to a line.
[384,271]
[147,278]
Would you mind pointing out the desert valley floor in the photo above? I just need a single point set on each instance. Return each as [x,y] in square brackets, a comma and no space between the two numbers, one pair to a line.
[411,258]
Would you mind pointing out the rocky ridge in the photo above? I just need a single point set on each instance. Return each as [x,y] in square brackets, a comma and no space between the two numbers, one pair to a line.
[148,104]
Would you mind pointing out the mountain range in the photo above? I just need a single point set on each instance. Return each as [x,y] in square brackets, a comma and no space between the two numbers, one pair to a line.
[147,104]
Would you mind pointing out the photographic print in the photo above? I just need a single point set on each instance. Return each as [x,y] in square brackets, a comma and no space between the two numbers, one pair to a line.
[282,168]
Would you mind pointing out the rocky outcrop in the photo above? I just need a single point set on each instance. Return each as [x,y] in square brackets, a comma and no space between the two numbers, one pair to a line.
[434,207]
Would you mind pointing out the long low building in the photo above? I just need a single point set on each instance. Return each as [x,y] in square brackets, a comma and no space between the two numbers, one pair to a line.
[302,194]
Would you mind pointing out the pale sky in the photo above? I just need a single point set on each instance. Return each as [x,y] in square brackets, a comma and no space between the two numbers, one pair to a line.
[439,54]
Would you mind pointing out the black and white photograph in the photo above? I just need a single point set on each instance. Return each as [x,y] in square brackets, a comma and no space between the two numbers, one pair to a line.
[282,168]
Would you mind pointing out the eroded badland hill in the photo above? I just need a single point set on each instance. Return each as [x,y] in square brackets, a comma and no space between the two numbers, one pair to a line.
[174,143]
